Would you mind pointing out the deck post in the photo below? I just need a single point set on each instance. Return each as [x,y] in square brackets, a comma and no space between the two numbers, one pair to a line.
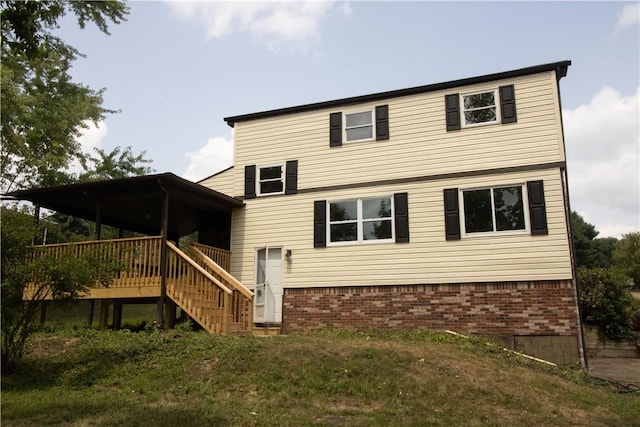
[98,220]
[170,314]
[226,313]
[163,257]
[92,305]
[43,311]
[117,315]
[36,221]
[104,313]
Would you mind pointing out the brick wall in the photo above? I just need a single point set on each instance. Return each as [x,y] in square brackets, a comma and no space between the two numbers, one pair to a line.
[504,309]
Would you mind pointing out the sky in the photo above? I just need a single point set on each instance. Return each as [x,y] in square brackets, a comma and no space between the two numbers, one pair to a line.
[174,70]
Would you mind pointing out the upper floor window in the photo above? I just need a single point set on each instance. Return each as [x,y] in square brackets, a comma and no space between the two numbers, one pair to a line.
[362,125]
[278,178]
[493,209]
[479,108]
[270,179]
[358,126]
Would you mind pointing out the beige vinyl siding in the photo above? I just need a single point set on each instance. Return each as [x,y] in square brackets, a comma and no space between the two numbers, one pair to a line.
[221,182]
[287,222]
[419,144]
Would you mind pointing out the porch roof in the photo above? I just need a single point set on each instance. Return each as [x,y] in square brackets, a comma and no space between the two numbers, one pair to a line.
[136,203]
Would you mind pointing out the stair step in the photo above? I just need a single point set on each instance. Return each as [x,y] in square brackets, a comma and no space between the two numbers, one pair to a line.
[266,331]
[612,352]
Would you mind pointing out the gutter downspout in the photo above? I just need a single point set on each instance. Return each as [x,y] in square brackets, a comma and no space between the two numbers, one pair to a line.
[163,257]
[560,73]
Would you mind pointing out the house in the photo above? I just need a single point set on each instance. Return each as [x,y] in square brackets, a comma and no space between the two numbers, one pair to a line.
[442,206]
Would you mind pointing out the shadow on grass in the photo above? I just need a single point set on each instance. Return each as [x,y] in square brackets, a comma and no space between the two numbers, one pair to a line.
[81,368]
[112,413]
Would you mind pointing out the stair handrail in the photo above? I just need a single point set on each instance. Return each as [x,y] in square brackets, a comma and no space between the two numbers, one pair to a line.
[223,273]
[208,275]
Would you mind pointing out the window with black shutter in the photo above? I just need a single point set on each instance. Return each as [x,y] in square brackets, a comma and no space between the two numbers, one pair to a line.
[365,220]
[359,125]
[537,208]
[291,180]
[508,104]
[250,182]
[451,214]
[271,179]
[452,109]
[319,224]
[401,213]
[480,108]
[498,209]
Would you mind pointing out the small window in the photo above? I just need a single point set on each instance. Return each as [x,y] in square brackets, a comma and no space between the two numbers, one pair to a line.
[360,220]
[270,180]
[479,108]
[493,210]
[359,126]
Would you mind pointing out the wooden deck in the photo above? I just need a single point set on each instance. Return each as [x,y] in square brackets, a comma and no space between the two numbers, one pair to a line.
[197,281]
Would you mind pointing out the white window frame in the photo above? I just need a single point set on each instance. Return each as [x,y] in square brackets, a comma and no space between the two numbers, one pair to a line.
[345,128]
[496,101]
[525,208]
[282,178]
[360,222]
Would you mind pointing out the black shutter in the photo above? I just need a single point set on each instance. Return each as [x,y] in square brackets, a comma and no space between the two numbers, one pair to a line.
[335,129]
[250,182]
[320,224]
[451,214]
[508,104]
[382,122]
[537,209]
[401,211]
[452,108]
[291,177]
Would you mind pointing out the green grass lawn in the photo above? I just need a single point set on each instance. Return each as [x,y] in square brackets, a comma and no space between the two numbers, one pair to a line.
[85,377]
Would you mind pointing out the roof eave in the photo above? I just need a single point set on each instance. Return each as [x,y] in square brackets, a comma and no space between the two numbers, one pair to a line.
[560,68]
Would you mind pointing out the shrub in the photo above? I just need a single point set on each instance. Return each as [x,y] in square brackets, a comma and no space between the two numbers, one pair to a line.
[606,301]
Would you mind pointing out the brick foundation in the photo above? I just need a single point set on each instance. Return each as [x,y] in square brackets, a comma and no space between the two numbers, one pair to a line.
[542,308]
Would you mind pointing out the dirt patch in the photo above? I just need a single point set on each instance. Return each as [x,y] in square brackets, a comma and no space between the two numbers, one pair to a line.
[44,347]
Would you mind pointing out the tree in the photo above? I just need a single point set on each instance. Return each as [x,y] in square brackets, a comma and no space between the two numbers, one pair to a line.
[590,251]
[627,256]
[117,164]
[43,110]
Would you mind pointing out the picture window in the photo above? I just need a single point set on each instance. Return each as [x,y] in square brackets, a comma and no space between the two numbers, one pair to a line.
[495,209]
[360,220]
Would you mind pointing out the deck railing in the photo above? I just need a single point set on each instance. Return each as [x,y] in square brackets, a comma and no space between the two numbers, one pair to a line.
[204,289]
[241,298]
[137,259]
[219,256]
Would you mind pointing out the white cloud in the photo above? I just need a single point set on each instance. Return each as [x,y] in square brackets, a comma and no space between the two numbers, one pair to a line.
[215,156]
[628,16]
[275,24]
[603,151]
[90,138]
